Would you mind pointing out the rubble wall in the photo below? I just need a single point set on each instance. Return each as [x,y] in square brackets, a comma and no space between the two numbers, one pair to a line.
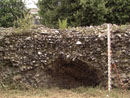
[51,60]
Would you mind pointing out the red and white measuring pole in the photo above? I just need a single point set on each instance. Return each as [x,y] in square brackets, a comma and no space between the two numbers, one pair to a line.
[109,56]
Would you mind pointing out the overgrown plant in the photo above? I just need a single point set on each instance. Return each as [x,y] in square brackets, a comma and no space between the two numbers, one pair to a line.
[23,25]
[62,24]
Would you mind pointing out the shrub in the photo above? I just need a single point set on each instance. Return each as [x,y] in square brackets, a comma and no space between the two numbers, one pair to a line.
[84,12]
[10,11]
[119,11]
[92,12]
[77,12]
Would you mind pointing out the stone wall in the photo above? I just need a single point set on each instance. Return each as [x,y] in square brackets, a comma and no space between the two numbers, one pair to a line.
[63,58]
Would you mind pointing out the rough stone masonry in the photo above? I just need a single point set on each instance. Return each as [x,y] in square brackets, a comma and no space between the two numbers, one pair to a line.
[64,58]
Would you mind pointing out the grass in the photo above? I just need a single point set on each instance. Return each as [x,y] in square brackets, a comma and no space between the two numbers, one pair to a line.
[80,92]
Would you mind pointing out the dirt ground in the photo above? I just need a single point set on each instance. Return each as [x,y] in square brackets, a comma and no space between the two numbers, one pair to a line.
[64,93]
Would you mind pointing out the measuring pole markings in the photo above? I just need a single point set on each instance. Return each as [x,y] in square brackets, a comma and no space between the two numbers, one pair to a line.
[109,56]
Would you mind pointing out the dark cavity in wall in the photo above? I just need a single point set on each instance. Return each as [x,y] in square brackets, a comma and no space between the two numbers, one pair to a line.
[71,74]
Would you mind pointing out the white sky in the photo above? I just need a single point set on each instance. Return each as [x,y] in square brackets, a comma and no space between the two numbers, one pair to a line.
[31,3]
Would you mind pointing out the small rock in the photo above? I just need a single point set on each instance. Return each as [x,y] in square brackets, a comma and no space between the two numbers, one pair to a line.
[39,53]
[28,38]
[44,32]
[78,43]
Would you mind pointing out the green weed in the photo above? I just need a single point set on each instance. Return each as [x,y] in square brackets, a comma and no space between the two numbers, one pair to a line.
[62,24]
[23,24]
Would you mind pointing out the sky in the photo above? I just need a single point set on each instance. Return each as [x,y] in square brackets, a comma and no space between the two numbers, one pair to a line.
[31,3]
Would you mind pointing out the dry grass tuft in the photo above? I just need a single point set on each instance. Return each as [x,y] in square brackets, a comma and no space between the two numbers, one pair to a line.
[80,92]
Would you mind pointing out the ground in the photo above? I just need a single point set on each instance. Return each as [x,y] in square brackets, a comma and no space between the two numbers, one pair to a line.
[80,92]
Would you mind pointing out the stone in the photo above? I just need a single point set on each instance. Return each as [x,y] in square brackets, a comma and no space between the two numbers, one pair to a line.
[28,38]
[39,53]
[78,43]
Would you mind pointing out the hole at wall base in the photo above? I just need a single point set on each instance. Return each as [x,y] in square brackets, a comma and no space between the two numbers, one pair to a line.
[74,74]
